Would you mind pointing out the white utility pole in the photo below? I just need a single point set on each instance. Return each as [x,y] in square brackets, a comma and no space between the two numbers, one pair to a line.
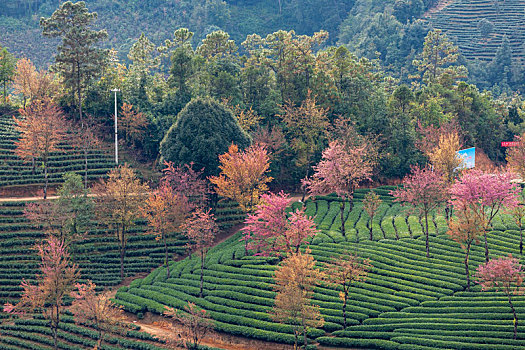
[116,132]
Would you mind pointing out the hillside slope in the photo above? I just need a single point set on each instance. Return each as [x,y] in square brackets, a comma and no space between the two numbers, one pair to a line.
[125,20]
[460,19]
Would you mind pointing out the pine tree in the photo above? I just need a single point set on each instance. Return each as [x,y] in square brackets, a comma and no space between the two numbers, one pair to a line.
[78,60]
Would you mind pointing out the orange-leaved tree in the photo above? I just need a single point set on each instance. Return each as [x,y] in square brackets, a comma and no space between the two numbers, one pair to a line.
[118,201]
[84,139]
[166,211]
[243,175]
[32,84]
[343,270]
[295,281]
[25,76]
[466,229]
[132,123]
[53,283]
[42,127]
[97,310]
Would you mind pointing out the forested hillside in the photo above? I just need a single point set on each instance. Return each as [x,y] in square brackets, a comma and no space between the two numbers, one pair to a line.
[125,20]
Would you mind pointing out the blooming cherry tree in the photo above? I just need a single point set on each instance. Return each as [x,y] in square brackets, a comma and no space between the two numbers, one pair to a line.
[505,275]
[341,170]
[200,229]
[271,231]
[424,190]
[485,194]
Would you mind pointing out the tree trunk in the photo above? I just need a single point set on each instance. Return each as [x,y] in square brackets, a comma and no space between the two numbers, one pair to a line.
[371,234]
[45,178]
[305,336]
[521,240]
[122,253]
[515,317]
[304,187]
[100,338]
[33,164]
[202,274]
[395,228]
[85,168]
[342,207]
[55,327]
[5,91]
[166,256]
[344,309]
[466,265]
[426,234]
[486,246]
[79,95]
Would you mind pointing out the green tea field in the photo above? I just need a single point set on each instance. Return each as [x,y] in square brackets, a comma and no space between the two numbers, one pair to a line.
[407,302]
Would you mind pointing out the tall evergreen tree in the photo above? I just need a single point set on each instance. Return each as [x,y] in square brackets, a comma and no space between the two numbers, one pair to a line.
[501,66]
[78,60]
[7,69]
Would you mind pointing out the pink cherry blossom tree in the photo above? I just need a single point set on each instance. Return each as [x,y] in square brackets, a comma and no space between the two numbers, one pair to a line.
[342,169]
[200,229]
[184,180]
[424,190]
[271,231]
[485,194]
[505,275]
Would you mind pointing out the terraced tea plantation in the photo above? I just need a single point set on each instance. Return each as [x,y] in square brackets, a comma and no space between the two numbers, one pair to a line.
[460,19]
[14,172]
[97,255]
[407,302]
[35,334]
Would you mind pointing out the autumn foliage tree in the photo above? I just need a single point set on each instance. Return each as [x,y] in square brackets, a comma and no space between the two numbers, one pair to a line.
[85,139]
[342,271]
[200,229]
[424,190]
[42,127]
[243,175]
[96,310]
[516,156]
[505,275]
[466,228]
[341,170]
[184,180]
[271,231]
[445,158]
[24,79]
[371,204]
[54,282]
[295,280]
[166,212]
[195,322]
[118,204]
[132,123]
[485,194]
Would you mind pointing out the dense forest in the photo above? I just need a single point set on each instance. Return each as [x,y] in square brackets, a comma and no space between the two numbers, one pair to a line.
[268,80]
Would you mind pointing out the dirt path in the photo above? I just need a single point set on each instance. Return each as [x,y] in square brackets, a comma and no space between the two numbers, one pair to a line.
[173,334]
